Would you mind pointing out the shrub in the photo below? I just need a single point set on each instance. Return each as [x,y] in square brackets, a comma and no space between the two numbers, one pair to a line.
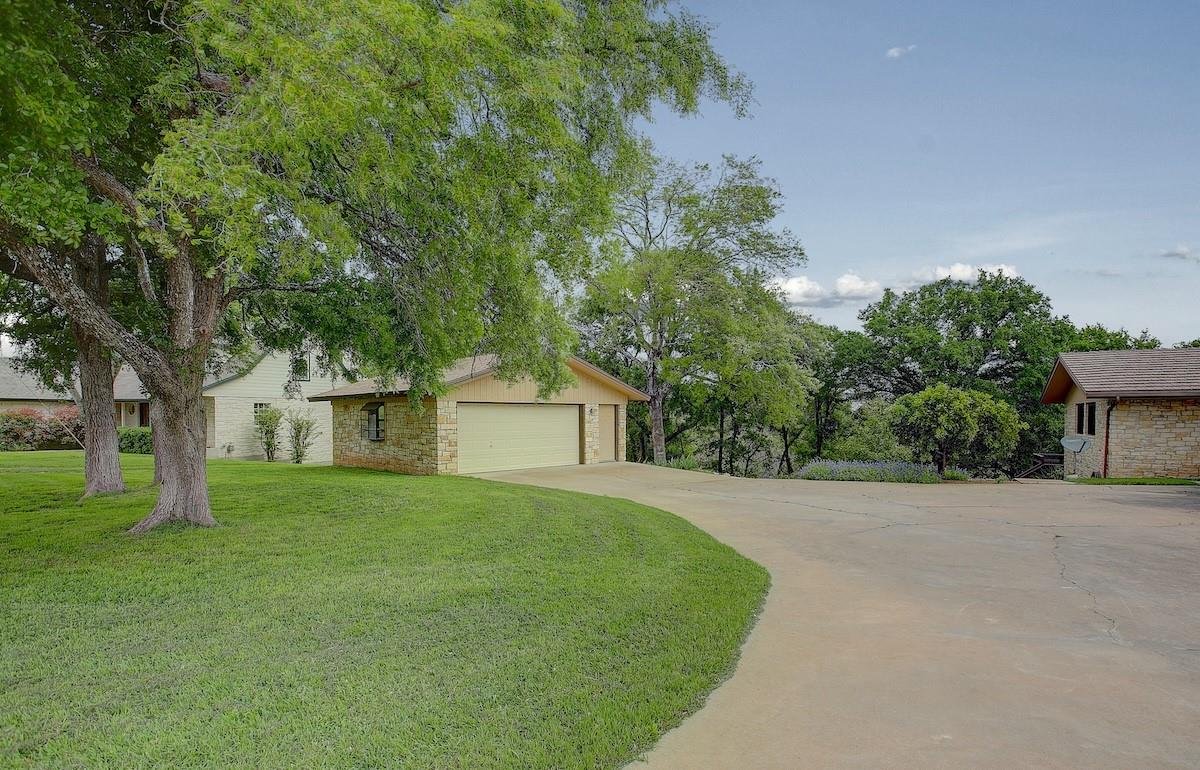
[135,441]
[266,427]
[853,470]
[955,474]
[944,422]
[302,429]
[869,436]
[21,430]
[687,463]
[26,429]
[64,428]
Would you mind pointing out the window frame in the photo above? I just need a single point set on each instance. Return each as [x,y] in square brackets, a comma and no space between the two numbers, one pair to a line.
[1080,423]
[1091,418]
[377,410]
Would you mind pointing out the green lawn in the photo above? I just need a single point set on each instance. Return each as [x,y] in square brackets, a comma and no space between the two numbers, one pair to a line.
[1152,481]
[347,618]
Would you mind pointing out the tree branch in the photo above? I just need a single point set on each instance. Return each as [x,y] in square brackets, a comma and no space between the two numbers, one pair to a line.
[58,280]
[143,270]
[106,185]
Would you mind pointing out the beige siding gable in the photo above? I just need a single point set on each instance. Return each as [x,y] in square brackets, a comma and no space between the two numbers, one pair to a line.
[586,390]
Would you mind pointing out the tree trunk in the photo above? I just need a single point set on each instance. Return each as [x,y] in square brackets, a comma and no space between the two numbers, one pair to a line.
[721,439]
[180,454]
[733,438]
[658,436]
[940,457]
[820,428]
[785,458]
[155,444]
[102,459]
[171,369]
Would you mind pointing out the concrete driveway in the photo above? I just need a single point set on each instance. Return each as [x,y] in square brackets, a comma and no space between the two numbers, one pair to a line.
[1044,625]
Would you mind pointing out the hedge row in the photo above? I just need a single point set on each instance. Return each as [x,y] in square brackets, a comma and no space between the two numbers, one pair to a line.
[135,441]
[26,429]
[850,470]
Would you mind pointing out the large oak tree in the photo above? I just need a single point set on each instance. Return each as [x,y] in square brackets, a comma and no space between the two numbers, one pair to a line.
[691,254]
[398,183]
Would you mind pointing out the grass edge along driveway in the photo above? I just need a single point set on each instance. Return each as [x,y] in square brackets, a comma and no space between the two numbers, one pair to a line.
[349,618]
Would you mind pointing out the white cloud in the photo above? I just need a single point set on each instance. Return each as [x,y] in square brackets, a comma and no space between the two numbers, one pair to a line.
[851,286]
[852,289]
[1182,252]
[899,51]
[848,288]
[960,271]
[801,290]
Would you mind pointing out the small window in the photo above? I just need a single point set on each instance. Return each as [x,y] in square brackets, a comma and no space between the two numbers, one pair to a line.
[259,408]
[1091,418]
[371,418]
[1079,424]
[301,367]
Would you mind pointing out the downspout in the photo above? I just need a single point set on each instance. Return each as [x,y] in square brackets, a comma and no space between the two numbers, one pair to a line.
[1112,404]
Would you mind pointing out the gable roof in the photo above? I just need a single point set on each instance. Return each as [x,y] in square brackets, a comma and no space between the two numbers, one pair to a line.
[1158,373]
[19,386]
[465,370]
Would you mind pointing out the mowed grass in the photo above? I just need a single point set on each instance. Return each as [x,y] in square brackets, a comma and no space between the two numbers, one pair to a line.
[1135,481]
[349,618]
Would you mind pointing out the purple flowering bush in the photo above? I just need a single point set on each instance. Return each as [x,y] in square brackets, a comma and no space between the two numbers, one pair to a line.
[857,470]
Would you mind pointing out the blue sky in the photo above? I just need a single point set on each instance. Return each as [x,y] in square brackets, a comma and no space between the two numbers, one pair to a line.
[914,139]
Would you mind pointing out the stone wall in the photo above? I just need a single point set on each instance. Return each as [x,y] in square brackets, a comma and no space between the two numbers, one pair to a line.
[621,433]
[589,430]
[447,437]
[1155,437]
[410,438]
[1091,460]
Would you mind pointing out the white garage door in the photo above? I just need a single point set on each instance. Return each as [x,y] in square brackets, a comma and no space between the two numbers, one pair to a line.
[498,437]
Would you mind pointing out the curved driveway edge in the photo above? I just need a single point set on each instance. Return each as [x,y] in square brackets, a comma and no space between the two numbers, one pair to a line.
[1045,625]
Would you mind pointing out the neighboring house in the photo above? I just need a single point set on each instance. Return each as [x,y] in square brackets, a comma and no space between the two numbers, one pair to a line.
[131,406]
[21,391]
[231,397]
[482,423]
[1139,409]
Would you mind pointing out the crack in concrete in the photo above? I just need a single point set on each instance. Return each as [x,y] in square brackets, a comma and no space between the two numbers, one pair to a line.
[1111,631]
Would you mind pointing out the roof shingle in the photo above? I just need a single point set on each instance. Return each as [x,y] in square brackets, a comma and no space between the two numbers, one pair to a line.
[1158,373]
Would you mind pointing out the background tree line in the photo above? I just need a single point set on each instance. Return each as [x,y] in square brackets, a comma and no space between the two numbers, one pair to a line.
[740,383]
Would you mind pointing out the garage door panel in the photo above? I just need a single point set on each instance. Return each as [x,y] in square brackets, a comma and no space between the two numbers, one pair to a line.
[496,437]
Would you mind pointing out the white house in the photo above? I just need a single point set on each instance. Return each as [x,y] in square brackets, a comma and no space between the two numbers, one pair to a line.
[231,397]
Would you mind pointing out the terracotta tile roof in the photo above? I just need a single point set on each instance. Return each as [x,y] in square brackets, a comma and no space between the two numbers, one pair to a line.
[1159,373]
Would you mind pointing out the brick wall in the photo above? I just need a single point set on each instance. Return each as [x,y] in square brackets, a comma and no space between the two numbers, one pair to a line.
[1155,437]
[410,443]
